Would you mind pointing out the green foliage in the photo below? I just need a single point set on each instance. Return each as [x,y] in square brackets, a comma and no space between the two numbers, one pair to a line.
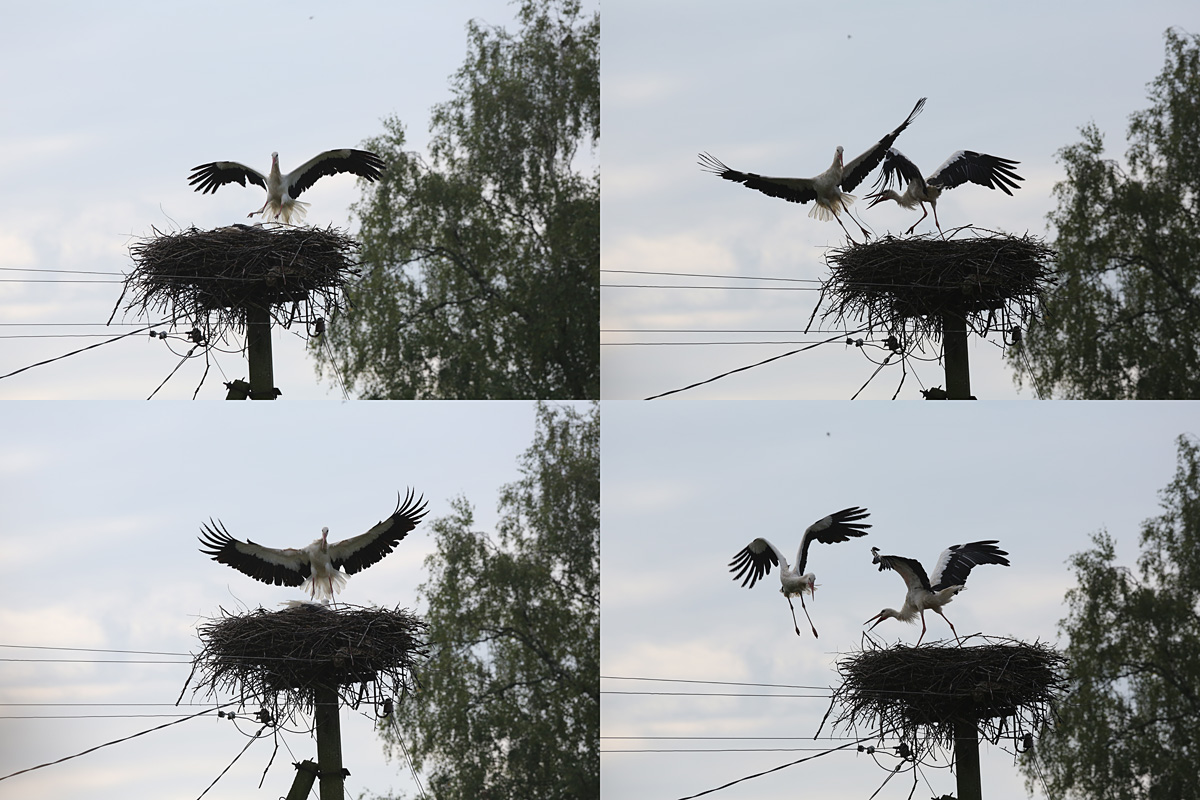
[1130,727]
[1124,322]
[509,705]
[482,269]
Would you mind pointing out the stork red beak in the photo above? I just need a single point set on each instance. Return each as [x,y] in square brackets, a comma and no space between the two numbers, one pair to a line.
[875,198]
[878,618]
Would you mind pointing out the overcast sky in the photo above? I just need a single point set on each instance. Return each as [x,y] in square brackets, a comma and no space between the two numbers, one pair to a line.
[100,507]
[686,487]
[106,107]
[773,87]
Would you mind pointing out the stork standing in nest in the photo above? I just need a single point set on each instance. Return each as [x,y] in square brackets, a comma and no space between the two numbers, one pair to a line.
[830,190]
[949,578]
[965,166]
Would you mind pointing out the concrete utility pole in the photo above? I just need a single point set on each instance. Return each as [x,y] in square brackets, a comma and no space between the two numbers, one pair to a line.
[258,352]
[328,727]
[966,758]
[954,354]
[306,774]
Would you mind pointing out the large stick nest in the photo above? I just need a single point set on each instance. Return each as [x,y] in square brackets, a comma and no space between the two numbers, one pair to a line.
[916,693]
[903,286]
[211,277]
[276,658]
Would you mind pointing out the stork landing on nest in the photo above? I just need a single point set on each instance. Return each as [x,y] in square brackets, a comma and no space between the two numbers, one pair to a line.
[949,578]
[316,566]
[282,190]
[830,189]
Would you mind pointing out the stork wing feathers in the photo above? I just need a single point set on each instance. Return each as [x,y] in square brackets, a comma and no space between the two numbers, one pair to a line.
[796,190]
[359,552]
[362,163]
[957,561]
[898,170]
[854,172]
[280,567]
[755,560]
[837,527]
[909,568]
[967,165]
[207,177]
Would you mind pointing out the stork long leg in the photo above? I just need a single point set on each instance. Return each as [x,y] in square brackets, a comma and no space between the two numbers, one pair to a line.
[848,236]
[866,234]
[923,216]
[942,232]
[810,623]
[795,624]
[922,636]
[951,624]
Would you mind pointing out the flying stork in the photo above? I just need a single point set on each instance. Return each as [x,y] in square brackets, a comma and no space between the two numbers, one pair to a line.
[756,559]
[829,189]
[282,190]
[962,167]
[949,578]
[315,566]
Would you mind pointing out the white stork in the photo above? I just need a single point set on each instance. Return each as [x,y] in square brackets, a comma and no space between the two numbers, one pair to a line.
[949,578]
[315,566]
[756,559]
[282,190]
[829,189]
[962,167]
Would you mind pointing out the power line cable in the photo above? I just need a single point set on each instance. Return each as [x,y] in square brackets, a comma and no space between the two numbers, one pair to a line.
[739,738]
[182,361]
[752,366]
[51,280]
[60,271]
[407,757]
[94,650]
[87,716]
[96,661]
[107,744]
[52,335]
[66,324]
[681,344]
[710,275]
[717,683]
[774,769]
[719,330]
[81,350]
[716,694]
[657,286]
[253,739]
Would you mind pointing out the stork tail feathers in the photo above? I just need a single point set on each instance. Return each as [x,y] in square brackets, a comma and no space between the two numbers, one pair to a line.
[288,214]
[295,215]
[842,203]
[324,587]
